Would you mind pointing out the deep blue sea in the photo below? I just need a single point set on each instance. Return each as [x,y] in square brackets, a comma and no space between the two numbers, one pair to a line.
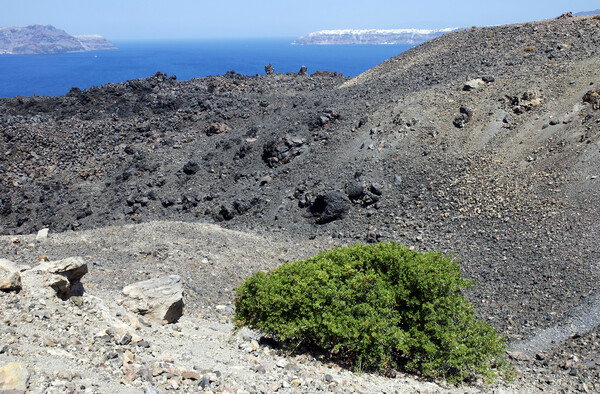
[51,75]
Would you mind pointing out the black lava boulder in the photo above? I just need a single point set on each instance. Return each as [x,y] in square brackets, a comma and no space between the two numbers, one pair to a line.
[330,206]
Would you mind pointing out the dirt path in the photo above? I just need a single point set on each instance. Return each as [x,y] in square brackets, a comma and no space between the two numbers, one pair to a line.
[580,320]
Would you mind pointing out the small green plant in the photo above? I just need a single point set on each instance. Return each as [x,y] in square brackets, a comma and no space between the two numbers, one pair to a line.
[380,305]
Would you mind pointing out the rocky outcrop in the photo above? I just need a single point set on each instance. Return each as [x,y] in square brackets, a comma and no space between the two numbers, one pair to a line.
[160,298]
[60,278]
[72,268]
[465,115]
[43,40]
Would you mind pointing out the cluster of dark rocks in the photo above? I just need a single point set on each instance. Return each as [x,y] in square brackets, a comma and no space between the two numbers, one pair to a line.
[282,151]
[464,117]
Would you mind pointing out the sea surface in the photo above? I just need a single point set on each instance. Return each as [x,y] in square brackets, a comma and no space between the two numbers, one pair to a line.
[52,75]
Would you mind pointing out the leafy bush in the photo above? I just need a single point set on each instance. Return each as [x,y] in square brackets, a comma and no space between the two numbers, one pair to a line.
[381,305]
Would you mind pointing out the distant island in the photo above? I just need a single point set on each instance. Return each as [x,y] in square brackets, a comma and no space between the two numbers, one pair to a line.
[44,40]
[371,37]
[584,13]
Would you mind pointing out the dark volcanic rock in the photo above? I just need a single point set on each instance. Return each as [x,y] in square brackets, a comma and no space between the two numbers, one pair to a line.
[191,167]
[225,213]
[460,120]
[354,190]
[282,151]
[329,206]
[463,117]
[217,128]
[592,97]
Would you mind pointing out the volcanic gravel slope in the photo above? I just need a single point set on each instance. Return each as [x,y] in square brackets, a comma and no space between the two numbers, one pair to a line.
[504,173]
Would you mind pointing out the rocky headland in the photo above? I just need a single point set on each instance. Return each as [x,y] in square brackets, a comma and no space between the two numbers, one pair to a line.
[483,142]
[46,39]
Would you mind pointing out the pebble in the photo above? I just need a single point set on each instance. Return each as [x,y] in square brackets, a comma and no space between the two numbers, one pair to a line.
[128,357]
[112,355]
[125,339]
[191,375]
[212,377]
[143,344]
[204,382]
[281,363]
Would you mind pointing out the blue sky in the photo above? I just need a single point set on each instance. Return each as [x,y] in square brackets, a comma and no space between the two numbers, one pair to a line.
[153,19]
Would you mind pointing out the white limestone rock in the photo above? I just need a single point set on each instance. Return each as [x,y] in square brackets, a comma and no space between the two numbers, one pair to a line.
[61,278]
[159,298]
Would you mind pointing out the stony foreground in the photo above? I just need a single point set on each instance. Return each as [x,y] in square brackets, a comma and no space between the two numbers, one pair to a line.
[93,343]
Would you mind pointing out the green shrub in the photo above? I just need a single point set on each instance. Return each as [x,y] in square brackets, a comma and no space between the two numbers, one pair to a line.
[381,305]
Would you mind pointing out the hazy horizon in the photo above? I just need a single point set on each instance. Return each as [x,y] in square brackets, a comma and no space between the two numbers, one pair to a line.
[188,19]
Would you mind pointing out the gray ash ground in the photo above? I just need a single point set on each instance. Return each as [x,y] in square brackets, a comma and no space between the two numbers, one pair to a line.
[504,173]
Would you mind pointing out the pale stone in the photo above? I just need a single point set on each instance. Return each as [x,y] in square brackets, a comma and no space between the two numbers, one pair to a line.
[10,280]
[8,265]
[474,84]
[14,376]
[72,268]
[191,375]
[42,234]
[56,278]
[160,298]
[37,283]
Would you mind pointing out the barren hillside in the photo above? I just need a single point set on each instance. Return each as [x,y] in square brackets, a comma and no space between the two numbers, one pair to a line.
[483,142]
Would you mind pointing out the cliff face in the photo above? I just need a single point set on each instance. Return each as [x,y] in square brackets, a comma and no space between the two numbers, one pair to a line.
[39,39]
[370,37]
[95,42]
